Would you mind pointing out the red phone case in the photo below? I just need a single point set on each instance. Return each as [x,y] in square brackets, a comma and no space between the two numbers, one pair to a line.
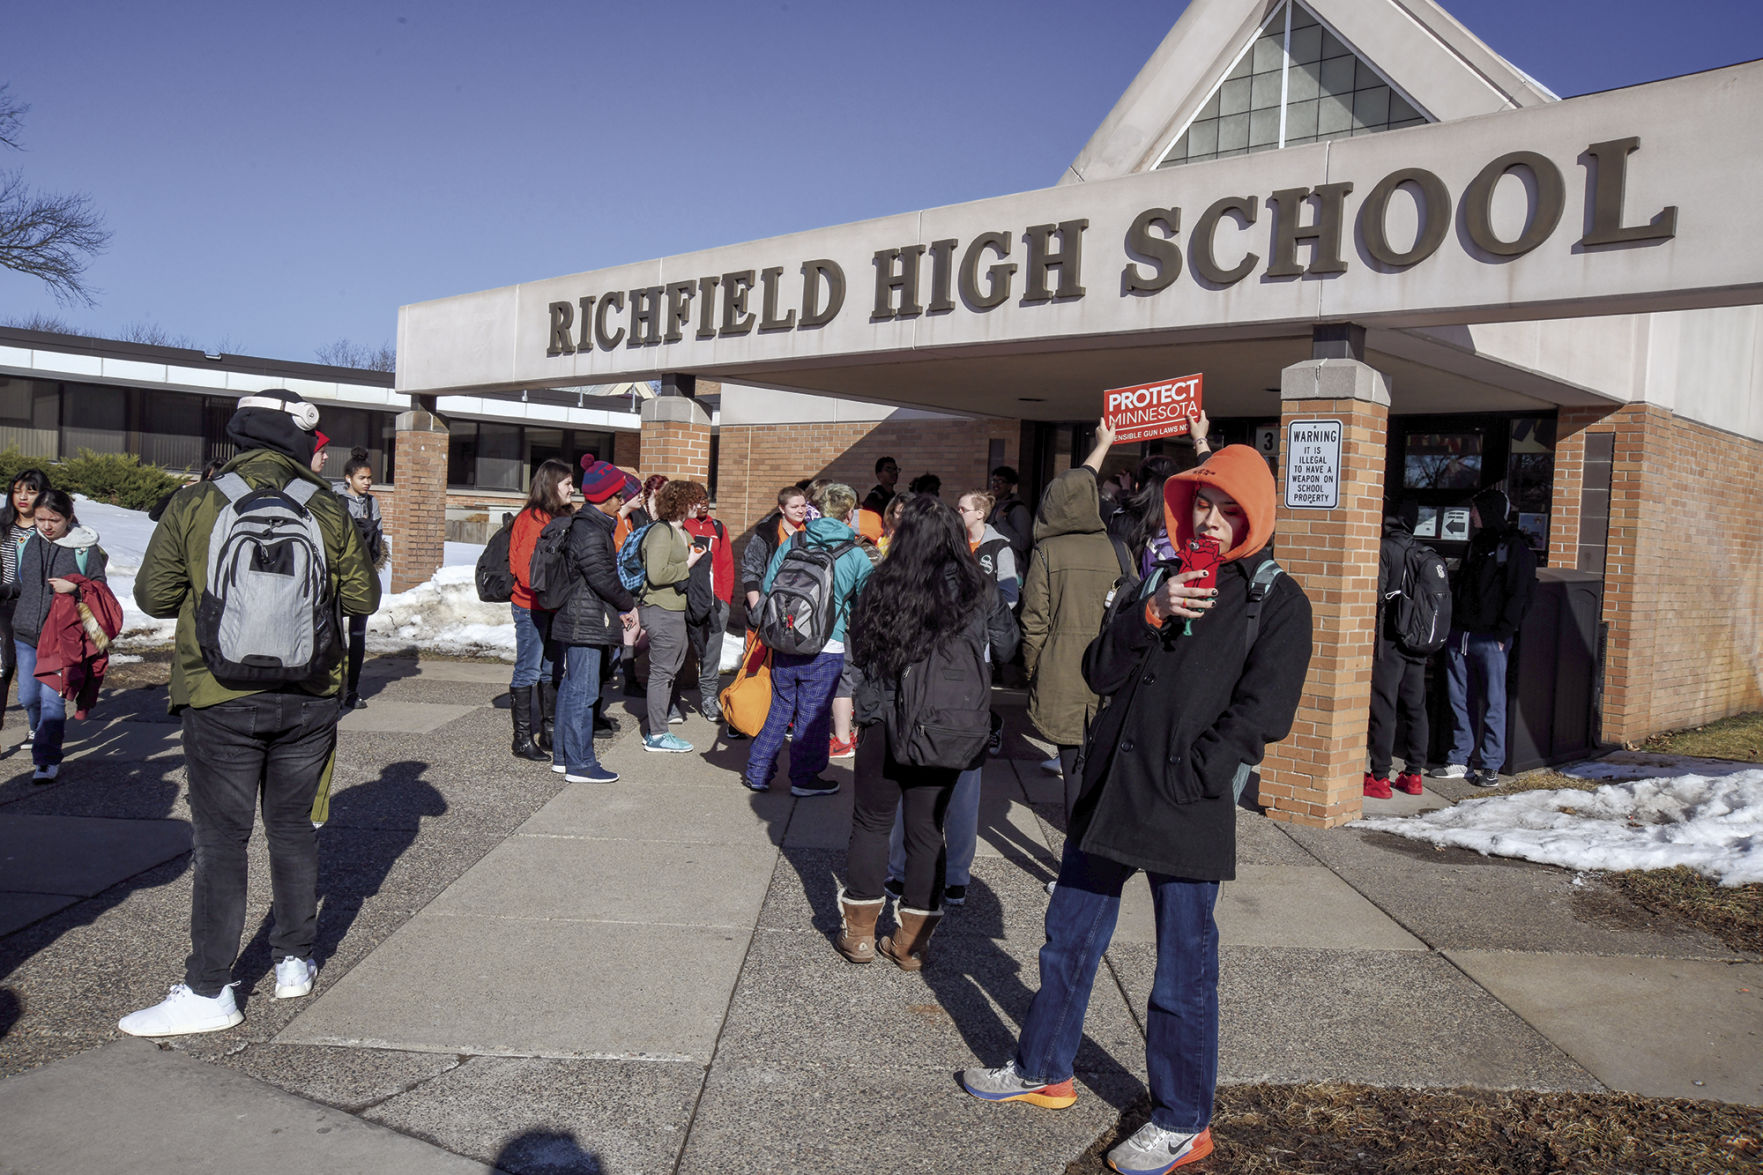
[1203,555]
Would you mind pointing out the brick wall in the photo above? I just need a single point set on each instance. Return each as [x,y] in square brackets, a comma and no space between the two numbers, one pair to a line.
[679,449]
[1683,592]
[416,521]
[755,461]
[1314,776]
[1570,466]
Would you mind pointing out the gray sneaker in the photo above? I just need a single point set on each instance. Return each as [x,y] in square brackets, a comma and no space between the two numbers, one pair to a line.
[1153,1150]
[1006,1084]
[1485,777]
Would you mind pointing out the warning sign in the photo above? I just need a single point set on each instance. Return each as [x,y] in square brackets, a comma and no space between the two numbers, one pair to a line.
[1146,411]
[1313,464]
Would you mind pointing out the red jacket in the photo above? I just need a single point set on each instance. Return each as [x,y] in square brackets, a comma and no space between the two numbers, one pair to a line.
[521,541]
[722,555]
[67,660]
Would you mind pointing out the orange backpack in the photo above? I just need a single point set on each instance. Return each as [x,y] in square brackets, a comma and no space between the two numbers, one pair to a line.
[747,700]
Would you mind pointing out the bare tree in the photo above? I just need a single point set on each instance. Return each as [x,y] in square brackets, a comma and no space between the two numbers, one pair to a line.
[46,235]
[154,335]
[38,321]
[344,353]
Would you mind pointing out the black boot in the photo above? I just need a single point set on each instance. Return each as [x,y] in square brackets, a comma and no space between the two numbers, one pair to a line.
[522,703]
[547,695]
[632,687]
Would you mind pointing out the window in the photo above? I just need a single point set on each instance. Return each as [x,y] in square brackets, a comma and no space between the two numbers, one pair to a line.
[1297,83]
[171,430]
[1442,461]
[30,411]
[103,415]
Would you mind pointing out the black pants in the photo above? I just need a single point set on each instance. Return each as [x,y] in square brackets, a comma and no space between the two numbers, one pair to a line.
[265,749]
[1398,702]
[922,795]
[357,653]
[8,657]
[1073,781]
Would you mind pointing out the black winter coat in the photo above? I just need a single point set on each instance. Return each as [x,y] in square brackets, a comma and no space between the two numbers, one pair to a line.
[1495,584]
[590,614]
[1183,712]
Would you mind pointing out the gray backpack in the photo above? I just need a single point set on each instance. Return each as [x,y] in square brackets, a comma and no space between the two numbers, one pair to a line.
[266,617]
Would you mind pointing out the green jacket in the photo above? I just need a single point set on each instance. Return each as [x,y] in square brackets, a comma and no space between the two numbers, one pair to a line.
[665,550]
[174,571]
[1069,575]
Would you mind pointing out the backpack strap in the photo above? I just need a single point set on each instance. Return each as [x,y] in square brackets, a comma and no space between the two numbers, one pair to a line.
[300,490]
[1259,586]
[79,558]
[1124,556]
[232,485]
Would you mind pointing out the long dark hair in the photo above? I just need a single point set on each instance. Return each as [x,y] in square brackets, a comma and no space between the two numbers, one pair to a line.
[1147,506]
[544,495]
[926,590]
[59,502]
[36,479]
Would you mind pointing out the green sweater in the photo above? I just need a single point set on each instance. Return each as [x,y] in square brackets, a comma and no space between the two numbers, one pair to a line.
[174,571]
[664,562]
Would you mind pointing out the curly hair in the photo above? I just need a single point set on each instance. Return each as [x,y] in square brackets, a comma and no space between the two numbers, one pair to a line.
[677,498]
[924,592]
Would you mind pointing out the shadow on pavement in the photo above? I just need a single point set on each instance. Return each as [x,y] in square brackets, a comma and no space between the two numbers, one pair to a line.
[546,1152]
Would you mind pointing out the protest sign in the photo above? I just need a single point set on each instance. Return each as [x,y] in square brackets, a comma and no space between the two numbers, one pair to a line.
[1159,409]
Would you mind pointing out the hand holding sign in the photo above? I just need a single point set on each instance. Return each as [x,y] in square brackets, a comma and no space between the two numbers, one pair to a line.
[1147,411]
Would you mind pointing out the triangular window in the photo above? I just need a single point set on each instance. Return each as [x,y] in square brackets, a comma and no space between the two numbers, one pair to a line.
[1296,83]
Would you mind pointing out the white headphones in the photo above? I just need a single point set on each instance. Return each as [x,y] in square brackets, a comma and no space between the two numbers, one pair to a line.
[304,412]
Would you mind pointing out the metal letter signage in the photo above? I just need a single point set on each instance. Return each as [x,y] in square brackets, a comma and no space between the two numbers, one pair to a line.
[1313,464]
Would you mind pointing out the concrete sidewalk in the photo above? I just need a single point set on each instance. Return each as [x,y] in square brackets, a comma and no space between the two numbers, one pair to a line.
[639,977]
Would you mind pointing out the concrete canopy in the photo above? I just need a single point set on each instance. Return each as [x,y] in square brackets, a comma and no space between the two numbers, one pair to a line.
[1028,305]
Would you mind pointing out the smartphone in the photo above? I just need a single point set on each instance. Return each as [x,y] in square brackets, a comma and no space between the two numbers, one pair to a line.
[702,541]
[1202,555]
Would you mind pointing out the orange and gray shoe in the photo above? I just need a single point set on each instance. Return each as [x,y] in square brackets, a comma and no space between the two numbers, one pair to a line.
[1006,1084]
[1153,1150]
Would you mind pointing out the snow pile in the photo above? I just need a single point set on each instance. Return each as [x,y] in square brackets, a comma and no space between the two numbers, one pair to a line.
[1712,823]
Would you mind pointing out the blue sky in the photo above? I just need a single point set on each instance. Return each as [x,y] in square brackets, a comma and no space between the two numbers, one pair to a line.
[278,177]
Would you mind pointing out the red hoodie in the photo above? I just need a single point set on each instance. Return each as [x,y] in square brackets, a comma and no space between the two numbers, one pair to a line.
[67,660]
[722,555]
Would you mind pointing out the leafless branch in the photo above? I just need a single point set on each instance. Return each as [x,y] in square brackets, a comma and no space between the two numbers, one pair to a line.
[12,113]
[344,353]
[49,236]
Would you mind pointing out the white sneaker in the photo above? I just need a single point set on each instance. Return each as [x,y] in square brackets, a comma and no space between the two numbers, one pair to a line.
[1449,771]
[1153,1150]
[293,977]
[1052,766]
[46,774]
[560,768]
[184,1012]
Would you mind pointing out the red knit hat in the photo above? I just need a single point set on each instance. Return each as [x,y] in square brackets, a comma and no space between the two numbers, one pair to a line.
[601,480]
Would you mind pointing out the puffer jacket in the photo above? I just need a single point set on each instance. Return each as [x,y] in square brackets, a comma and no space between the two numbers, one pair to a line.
[41,561]
[174,571]
[1069,576]
[590,615]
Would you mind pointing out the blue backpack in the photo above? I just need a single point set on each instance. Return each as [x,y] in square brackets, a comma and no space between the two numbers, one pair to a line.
[631,572]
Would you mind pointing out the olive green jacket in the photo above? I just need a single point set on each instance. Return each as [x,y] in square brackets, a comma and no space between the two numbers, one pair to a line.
[1063,596]
[174,571]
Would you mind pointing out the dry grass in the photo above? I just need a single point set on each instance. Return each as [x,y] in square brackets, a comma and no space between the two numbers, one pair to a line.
[1370,1130]
[1540,781]
[1732,914]
[1739,737]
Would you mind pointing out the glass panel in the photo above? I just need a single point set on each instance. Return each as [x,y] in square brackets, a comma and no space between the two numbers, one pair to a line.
[1530,477]
[1371,108]
[1202,138]
[543,444]
[1226,153]
[1334,116]
[103,415]
[499,464]
[1264,128]
[1364,77]
[1210,110]
[1233,96]
[1243,69]
[1264,91]
[1269,52]
[171,433]
[1306,43]
[1301,120]
[28,413]
[1400,110]
[1442,461]
[1332,47]
[1337,76]
[1301,19]
[1301,82]
[1233,133]
[462,453]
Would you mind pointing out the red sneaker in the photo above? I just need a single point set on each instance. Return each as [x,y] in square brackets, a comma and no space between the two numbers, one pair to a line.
[1409,781]
[841,750]
[1377,789]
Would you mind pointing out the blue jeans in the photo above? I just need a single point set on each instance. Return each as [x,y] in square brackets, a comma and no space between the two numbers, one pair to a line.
[1475,676]
[801,693]
[572,743]
[532,653]
[960,832]
[44,709]
[1181,1029]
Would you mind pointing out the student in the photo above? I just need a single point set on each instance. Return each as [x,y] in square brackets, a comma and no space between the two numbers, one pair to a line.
[529,689]
[249,747]
[1010,515]
[364,511]
[1193,704]
[887,476]
[772,532]
[927,592]
[927,483]
[636,513]
[60,548]
[18,523]
[1398,677]
[706,636]
[803,685]
[589,625]
[668,559]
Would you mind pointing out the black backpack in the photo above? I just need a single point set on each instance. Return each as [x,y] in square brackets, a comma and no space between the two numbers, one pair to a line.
[1419,610]
[942,708]
[797,614]
[549,574]
[495,576]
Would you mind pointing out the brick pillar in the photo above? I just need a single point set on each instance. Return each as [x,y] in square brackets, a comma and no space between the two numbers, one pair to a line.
[676,439]
[1314,776]
[1567,501]
[627,451]
[416,521]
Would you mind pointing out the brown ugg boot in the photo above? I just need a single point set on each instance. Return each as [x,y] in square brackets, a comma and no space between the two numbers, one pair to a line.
[908,945]
[857,939]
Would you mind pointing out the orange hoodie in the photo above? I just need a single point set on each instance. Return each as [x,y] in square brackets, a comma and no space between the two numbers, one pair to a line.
[1240,472]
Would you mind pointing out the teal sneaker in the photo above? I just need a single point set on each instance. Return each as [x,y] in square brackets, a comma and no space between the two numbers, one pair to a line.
[667,741]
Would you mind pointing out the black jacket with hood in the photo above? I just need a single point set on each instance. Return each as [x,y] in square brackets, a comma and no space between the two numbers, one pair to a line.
[1498,576]
[1186,709]
[597,597]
